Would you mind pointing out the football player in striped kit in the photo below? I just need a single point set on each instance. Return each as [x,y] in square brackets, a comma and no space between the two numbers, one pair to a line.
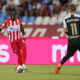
[16,35]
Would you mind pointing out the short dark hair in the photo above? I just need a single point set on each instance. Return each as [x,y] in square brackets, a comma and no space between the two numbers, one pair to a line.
[72,8]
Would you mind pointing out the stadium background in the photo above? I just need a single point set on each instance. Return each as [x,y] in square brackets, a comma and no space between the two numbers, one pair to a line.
[45,40]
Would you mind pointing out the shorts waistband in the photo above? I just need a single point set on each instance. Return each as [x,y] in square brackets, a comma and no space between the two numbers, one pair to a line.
[71,37]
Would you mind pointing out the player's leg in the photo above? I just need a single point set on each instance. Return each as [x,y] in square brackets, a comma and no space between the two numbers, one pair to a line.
[24,54]
[19,58]
[70,52]
[17,51]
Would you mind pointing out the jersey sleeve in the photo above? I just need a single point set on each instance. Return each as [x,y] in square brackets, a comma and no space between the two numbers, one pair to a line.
[64,24]
[4,25]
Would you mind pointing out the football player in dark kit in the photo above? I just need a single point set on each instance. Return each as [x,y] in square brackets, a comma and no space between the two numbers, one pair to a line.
[72,29]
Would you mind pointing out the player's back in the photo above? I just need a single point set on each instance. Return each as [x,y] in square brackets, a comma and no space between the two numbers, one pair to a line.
[73,24]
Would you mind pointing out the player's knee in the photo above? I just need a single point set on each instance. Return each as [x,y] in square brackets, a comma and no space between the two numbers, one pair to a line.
[17,52]
[67,56]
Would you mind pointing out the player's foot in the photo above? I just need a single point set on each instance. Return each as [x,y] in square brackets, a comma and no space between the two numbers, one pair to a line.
[24,67]
[18,67]
[58,68]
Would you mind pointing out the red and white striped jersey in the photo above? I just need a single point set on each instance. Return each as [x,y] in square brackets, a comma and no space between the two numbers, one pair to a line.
[13,29]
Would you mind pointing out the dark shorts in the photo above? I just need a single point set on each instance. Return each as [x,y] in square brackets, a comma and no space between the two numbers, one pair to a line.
[73,46]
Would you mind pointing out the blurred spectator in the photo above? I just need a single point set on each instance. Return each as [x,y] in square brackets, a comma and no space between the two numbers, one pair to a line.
[46,10]
[32,18]
[56,2]
[25,18]
[41,13]
[38,6]
[63,2]
[45,1]
[17,2]
[51,6]
[18,14]
[38,9]
[34,5]
[28,10]
[2,17]
[57,9]
[0,4]
[23,6]
[29,5]
[10,2]
[4,2]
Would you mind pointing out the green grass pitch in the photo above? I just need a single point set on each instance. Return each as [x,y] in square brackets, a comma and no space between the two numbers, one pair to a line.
[40,72]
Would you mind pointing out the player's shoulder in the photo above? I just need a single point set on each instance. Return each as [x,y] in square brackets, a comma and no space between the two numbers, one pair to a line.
[18,18]
[68,16]
[7,20]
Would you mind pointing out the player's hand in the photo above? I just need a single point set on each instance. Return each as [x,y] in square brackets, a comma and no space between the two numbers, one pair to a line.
[0,29]
[24,39]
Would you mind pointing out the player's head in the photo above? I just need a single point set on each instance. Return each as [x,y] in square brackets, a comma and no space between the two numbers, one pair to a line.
[13,13]
[72,9]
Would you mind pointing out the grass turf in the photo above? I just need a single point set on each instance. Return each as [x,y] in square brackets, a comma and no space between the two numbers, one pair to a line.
[40,72]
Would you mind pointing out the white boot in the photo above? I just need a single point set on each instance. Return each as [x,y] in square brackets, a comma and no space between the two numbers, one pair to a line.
[24,67]
[19,67]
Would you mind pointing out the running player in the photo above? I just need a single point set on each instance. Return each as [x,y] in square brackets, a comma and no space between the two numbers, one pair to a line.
[72,29]
[16,35]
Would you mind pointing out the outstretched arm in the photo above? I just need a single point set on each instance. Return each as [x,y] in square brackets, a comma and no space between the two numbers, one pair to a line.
[4,25]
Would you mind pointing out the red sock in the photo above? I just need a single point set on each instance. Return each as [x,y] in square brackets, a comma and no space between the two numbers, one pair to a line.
[23,54]
[19,58]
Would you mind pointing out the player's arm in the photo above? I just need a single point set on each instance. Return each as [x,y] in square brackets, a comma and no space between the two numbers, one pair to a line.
[4,25]
[0,29]
[22,30]
[66,31]
[65,27]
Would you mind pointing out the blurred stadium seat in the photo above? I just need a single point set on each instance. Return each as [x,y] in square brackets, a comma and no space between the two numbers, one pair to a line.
[60,20]
[31,19]
[39,20]
[25,19]
[75,2]
[35,11]
[53,21]
[63,14]
[46,20]
[78,8]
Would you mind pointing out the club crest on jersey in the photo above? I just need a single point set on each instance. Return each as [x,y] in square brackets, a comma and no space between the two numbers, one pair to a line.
[14,29]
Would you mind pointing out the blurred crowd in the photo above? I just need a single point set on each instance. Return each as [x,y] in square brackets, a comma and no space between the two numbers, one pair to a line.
[29,10]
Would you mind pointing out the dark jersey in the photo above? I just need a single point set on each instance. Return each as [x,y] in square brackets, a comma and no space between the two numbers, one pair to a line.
[72,23]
